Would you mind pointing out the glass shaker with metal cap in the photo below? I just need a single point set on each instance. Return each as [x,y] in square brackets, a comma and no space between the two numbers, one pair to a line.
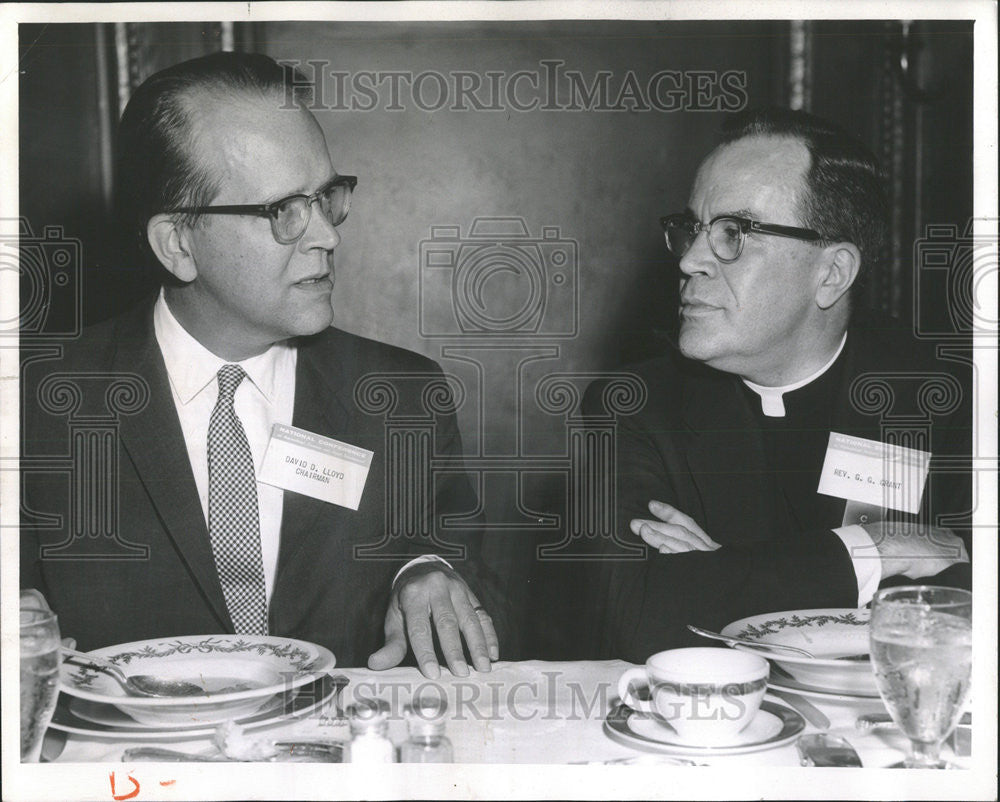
[369,733]
[427,743]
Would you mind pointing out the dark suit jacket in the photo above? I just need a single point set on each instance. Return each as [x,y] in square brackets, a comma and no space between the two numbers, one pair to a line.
[324,591]
[697,446]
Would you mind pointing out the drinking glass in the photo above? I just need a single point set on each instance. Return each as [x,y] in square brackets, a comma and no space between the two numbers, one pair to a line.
[921,647]
[40,659]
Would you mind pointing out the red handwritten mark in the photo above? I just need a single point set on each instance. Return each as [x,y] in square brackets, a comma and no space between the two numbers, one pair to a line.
[119,797]
[167,782]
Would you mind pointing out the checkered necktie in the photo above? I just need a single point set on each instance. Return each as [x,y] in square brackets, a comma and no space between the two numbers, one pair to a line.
[232,511]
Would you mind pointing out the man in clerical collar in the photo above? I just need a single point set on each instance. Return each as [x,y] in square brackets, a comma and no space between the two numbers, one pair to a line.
[759,470]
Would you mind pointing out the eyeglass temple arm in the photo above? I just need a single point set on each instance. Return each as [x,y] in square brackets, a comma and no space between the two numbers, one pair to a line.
[785,231]
[255,209]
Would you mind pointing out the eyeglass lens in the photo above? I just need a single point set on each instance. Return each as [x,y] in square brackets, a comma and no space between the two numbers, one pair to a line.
[724,237]
[293,216]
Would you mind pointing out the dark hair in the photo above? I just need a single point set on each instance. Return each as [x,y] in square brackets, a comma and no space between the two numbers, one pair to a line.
[156,168]
[845,199]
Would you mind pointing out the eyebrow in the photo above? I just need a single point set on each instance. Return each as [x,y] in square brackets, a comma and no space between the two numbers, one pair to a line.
[734,213]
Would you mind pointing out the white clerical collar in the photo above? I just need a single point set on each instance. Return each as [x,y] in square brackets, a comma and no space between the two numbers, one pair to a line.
[772,400]
[191,366]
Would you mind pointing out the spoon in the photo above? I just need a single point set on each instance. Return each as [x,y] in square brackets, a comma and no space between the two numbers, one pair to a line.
[827,751]
[752,643]
[140,684]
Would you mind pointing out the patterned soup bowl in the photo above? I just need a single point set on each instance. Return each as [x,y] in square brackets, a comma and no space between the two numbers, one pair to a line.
[238,675]
[837,637]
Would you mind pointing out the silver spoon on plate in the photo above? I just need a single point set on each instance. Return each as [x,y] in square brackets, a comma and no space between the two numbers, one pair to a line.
[764,647]
[138,684]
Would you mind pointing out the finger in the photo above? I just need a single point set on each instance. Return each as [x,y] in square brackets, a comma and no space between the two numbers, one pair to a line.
[654,532]
[69,643]
[449,633]
[394,650]
[670,514]
[417,618]
[472,629]
[492,641]
[663,542]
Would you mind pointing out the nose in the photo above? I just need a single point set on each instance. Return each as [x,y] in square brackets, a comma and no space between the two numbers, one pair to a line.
[699,257]
[320,233]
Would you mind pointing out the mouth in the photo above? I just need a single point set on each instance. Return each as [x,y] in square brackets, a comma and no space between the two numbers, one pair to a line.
[696,308]
[322,280]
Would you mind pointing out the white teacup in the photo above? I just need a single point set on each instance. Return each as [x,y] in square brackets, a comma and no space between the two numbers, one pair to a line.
[708,695]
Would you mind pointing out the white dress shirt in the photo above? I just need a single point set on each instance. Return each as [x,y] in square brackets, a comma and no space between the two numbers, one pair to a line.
[265,397]
[864,555]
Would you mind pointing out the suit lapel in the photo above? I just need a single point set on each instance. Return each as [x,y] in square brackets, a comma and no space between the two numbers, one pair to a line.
[320,407]
[726,457]
[155,444]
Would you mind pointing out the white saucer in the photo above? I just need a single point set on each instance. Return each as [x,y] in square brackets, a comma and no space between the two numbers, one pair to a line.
[773,726]
[306,700]
[794,686]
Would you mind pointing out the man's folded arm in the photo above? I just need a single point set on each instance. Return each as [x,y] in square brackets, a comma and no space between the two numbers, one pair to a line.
[650,602]
[646,603]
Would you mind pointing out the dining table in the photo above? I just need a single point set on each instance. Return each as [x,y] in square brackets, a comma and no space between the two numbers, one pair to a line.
[527,712]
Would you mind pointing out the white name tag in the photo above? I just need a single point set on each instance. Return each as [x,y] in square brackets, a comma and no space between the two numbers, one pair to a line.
[315,466]
[874,473]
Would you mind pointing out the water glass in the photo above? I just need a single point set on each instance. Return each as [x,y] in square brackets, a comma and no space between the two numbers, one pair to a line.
[40,659]
[921,652]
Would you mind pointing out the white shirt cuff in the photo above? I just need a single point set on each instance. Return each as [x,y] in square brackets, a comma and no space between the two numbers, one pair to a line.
[423,558]
[865,559]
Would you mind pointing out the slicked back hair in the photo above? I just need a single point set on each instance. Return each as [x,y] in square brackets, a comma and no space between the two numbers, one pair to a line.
[156,166]
[844,197]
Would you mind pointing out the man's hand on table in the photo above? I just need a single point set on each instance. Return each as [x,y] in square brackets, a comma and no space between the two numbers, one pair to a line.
[433,592]
[915,550]
[673,532]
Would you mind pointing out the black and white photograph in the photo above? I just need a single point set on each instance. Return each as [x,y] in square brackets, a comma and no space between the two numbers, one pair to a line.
[588,400]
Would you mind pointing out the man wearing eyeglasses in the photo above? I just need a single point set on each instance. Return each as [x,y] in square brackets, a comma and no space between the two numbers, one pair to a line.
[250,479]
[758,470]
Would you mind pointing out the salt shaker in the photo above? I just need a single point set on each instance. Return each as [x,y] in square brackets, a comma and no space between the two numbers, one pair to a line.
[369,733]
[427,743]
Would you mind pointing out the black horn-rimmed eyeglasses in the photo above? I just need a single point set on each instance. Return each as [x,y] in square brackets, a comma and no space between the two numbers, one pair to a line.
[290,216]
[726,233]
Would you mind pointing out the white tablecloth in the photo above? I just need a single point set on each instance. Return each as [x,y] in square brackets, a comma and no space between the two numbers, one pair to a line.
[526,712]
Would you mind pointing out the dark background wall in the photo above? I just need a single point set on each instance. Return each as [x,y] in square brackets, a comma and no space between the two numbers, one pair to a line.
[596,180]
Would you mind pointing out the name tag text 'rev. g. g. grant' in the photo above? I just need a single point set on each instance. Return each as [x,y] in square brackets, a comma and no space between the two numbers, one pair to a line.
[880,474]
[316,466]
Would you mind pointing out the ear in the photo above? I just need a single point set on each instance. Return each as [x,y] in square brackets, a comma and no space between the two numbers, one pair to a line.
[170,241]
[841,264]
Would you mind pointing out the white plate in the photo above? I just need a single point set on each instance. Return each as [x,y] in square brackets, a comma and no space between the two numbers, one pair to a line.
[793,686]
[304,702]
[828,634]
[773,726]
[111,716]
